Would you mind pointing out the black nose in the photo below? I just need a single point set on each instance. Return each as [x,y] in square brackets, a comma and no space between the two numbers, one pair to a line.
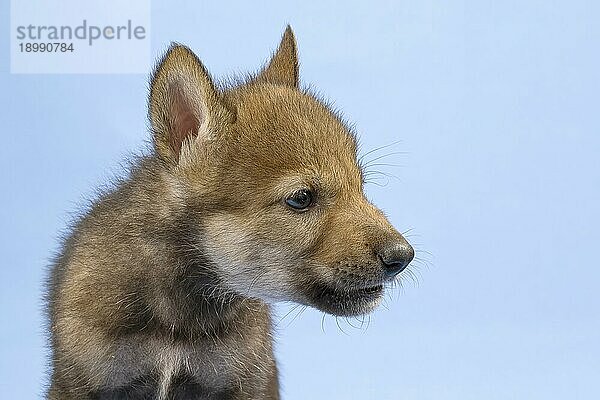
[396,257]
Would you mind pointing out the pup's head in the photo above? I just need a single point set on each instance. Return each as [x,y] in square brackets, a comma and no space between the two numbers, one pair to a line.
[273,173]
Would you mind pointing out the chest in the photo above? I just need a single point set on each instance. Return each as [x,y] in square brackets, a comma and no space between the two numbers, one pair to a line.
[142,368]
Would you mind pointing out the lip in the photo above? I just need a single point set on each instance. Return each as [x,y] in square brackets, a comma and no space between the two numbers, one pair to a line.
[368,291]
[347,302]
[356,295]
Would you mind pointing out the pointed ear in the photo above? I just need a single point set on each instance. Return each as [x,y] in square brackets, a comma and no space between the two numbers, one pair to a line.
[184,104]
[283,67]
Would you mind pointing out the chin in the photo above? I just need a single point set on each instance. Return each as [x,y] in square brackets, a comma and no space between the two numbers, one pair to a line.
[345,302]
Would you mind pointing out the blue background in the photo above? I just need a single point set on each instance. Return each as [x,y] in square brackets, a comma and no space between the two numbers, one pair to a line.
[496,107]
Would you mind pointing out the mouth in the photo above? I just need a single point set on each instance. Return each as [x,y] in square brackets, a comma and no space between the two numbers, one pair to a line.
[347,302]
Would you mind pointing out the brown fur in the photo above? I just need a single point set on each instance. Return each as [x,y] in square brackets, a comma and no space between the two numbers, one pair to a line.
[161,289]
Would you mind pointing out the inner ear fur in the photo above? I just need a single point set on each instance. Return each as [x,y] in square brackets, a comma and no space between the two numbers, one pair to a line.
[184,103]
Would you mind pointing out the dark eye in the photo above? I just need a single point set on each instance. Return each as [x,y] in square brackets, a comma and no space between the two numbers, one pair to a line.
[300,200]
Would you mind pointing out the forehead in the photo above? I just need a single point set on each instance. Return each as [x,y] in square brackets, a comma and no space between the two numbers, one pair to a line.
[280,131]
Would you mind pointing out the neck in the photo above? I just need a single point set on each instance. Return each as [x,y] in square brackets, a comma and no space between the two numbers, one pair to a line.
[183,293]
[195,301]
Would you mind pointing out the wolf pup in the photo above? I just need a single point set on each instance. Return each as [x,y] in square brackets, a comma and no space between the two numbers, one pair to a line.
[252,194]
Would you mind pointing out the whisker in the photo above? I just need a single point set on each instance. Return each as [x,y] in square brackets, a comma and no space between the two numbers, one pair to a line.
[395,153]
[375,172]
[424,251]
[296,316]
[379,148]
[407,231]
[366,174]
[351,324]
[386,165]
[377,183]
[288,313]
[411,275]
[339,327]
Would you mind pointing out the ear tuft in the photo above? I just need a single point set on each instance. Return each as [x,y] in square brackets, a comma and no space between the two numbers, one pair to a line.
[283,67]
[184,104]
